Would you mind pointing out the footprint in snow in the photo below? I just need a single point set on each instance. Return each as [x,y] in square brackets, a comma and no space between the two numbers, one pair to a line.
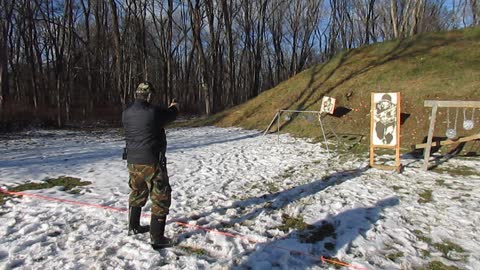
[3,254]
[14,263]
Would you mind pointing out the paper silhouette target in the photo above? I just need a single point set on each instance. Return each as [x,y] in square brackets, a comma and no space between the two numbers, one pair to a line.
[328,105]
[385,119]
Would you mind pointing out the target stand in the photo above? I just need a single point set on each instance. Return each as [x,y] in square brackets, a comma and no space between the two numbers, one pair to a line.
[451,132]
[385,127]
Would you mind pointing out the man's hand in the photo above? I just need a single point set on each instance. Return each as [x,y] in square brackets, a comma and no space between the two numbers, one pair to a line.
[173,103]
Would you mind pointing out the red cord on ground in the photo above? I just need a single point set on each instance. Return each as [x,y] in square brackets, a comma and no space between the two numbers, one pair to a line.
[321,258]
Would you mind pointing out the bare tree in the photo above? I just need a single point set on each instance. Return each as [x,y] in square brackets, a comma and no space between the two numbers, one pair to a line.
[228,15]
[118,52]
[196,18]
[474,5]
[5,28]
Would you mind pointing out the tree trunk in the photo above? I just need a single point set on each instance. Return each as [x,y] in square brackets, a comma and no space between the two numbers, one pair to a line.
[169,42]
[3,67]
[5,26]
[227,17]
[118,52]
[394,17]
[196,21]
[475,11]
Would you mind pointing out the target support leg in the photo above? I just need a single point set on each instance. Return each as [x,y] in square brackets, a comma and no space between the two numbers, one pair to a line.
[428,148]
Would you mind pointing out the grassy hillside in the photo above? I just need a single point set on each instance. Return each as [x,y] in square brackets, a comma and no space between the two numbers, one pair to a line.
[440,66]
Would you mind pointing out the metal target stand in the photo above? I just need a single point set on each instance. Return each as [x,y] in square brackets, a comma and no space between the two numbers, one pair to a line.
[277,118]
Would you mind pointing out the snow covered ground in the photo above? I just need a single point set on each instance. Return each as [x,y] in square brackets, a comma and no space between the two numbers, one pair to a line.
[235,181]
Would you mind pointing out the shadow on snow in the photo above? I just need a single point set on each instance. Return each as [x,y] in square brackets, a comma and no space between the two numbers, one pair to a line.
[282,252]
[293,251]
[205,140]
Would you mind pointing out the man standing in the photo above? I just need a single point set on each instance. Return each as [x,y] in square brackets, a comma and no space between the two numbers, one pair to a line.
[146,145]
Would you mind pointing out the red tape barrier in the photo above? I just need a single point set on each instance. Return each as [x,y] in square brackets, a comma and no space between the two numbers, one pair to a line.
[123,210]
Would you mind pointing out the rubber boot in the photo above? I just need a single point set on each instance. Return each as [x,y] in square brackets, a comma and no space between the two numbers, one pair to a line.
[134,221]
[158,240]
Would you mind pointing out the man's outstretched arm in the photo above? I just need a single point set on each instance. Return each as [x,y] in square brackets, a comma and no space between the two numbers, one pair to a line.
[168,115]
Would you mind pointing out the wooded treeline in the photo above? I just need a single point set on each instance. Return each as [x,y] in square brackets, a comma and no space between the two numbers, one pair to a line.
[82,59]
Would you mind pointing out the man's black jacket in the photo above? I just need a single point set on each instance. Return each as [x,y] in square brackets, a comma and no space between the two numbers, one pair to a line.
[144,131]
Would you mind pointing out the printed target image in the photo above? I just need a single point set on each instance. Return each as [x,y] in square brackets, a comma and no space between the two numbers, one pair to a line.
[385,119]
[328,105]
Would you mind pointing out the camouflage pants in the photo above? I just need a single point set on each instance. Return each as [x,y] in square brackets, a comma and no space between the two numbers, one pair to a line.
[149,180]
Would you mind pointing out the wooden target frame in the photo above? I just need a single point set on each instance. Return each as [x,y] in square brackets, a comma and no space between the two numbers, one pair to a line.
[391,101]
[435,104]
